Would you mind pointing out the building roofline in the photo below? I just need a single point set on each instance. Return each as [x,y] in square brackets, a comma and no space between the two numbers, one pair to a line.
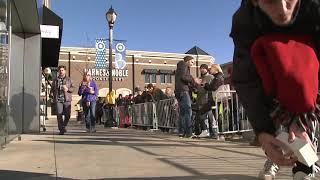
[130,52]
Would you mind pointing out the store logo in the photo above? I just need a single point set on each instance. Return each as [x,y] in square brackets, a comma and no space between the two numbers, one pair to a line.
[120,55]
[120,47]
[100,46]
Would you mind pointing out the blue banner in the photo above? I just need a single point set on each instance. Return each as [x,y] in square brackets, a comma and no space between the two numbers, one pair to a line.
[101,53]
[120,54]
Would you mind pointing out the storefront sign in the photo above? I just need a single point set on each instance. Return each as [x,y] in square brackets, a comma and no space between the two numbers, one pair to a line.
[48,31]
[103,74]
[101,54]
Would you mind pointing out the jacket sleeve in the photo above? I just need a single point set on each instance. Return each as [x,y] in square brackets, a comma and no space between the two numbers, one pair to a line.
[185,76]
[80,90]
[249,88]
[96,89]
[215,83]
[244,76]
[70,89]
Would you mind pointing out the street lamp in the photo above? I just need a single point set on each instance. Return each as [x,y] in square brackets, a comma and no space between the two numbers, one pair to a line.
[111,16]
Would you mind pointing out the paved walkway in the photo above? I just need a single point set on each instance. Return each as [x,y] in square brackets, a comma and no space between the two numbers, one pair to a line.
[127,154]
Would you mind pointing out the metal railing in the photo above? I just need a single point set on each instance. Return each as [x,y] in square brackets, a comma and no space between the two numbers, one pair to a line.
[167,113]
[229,114]
[145,115]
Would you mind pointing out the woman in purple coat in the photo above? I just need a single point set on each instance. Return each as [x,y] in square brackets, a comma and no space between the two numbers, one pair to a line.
[89,92]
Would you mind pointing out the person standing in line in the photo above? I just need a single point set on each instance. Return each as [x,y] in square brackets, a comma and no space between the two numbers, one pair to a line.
[138,99]
[183,82]
[202,100]
[169,93]
[89,91]
[210,87]
[61,92]
[156,93]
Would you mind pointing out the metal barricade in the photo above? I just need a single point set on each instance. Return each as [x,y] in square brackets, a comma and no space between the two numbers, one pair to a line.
[230,114]
[144,115]
[167,113]
[110,116]
[161,114]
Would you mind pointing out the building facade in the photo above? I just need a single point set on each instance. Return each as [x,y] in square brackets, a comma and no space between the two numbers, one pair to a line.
[142,68]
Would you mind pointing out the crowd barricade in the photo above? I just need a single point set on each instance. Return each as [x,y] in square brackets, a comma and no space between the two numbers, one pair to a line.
[230,114]
[167,113]
[144,115]
[110,112]
[151,115]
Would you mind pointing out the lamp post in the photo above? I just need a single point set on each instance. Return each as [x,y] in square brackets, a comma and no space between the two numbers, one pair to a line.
[111,16]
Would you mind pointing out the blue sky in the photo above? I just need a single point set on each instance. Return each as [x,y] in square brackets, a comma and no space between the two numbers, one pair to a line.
[152,25]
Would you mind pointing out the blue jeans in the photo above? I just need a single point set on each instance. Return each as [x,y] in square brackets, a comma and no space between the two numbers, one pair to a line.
[185,112]
[90,114]
[63,109]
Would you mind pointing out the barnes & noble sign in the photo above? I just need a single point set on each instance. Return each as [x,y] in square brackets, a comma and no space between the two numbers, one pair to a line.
[103,74]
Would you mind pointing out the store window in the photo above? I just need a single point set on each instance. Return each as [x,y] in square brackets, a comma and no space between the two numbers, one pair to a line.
[150,78]
[165,78]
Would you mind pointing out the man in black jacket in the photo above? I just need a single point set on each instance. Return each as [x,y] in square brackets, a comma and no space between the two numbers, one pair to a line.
[253,20]
[184,80]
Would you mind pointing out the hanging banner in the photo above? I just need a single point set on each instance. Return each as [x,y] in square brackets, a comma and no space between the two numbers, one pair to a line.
[120,54]
[101,53]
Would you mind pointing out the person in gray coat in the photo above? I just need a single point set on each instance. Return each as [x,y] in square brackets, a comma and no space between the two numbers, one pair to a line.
[61,92]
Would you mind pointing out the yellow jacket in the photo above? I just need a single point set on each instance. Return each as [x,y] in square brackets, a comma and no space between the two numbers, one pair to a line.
[111,98]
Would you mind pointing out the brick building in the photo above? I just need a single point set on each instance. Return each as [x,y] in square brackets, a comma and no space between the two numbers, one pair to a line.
[142,68]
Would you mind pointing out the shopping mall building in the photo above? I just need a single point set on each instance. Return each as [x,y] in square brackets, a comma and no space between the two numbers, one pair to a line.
[142,68]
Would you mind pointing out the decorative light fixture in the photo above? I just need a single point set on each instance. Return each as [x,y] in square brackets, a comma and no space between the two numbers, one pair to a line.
[111,16]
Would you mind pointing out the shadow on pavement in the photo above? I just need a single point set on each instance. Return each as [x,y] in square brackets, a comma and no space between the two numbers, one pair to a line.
[19,175]
[144,143]
[215,177]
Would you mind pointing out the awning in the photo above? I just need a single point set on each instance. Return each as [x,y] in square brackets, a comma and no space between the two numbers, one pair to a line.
[165,71]
[150,71]
[51,47]
[25,19]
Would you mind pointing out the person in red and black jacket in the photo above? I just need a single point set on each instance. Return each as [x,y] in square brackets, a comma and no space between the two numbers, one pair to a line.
[275,72]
